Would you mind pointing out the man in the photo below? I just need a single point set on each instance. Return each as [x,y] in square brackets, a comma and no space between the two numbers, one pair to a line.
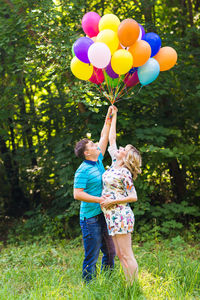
[88,189]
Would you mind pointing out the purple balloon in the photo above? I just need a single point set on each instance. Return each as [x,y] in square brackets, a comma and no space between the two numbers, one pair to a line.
[142,30]
[81,47]
[110,71]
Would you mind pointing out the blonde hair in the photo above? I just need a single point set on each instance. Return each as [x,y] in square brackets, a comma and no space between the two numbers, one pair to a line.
[133,161]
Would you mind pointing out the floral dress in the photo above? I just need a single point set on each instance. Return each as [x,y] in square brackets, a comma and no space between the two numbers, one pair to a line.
[118,183]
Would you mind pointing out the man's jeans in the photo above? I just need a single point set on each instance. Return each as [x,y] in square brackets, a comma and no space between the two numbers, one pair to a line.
[95,237]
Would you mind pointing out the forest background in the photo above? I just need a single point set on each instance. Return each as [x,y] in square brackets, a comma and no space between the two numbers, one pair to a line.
[44,110]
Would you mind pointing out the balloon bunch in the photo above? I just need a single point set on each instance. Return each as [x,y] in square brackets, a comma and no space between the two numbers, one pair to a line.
[116,55]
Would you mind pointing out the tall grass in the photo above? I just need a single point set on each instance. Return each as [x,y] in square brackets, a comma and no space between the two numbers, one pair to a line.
[167,270]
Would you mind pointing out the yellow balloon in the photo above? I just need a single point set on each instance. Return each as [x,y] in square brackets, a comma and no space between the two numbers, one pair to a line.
[81,70]
[108,37]
[122,61]
[109,21]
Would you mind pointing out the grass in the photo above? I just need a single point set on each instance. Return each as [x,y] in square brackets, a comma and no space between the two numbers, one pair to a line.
[168,269]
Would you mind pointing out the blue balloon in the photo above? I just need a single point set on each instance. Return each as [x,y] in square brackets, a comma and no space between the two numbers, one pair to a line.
[154,41]
[131,71]
[149,71]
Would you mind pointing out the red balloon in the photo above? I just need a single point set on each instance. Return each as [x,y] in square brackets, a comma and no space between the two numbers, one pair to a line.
[131,80]
[97,76]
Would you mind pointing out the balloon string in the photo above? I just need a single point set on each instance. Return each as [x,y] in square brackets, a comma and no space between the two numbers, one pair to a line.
[121,88]
[104,72]
[132,87]
[120,100]
[139,89]
[129,91]
[113,90]
[102,91]
[109,91]
[121,91]
[126,90]
[117,89]
[124,87]
[101,87]
[106,95]
[112,93]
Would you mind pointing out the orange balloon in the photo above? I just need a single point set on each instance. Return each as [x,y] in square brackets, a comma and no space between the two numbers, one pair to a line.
[166,57]
[141,52]
[128,32]
[120,47]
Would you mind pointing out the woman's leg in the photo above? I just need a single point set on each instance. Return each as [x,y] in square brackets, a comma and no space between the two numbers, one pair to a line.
[124,251]
[123,263]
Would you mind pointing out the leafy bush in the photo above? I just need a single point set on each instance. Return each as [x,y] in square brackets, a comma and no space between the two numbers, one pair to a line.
[42,227]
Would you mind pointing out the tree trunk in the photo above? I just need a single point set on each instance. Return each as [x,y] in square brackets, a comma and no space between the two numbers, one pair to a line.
[18,204]
[177,180]
[190,12]
[29,136]
[147,9]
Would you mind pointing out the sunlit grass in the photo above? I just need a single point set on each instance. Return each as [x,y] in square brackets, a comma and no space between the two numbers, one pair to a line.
[168,270]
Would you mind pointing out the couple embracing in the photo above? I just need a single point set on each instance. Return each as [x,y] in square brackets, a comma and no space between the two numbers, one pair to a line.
[106,217]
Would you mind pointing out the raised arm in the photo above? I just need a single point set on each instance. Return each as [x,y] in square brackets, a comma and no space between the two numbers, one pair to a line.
[112,133]
[103,142]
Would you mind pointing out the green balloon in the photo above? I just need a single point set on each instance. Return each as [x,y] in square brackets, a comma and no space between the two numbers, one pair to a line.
[113,82]
[73,54]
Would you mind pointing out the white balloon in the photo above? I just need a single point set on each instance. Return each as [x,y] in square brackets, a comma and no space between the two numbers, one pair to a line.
[140,35]
[123,47]
[99,55]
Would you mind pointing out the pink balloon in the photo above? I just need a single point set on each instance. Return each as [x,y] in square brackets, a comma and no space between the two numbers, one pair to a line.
[97,76]
[99,55]
[131,80]
[90,23]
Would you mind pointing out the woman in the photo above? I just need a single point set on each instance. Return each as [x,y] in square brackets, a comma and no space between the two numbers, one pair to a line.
[118,191]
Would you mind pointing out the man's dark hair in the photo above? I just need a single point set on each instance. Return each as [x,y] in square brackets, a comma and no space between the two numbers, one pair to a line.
[80,148]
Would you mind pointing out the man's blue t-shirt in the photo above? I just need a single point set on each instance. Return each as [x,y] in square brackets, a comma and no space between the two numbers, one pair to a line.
[89,177]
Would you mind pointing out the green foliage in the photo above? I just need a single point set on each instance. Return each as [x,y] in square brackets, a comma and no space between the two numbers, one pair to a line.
[42,227]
